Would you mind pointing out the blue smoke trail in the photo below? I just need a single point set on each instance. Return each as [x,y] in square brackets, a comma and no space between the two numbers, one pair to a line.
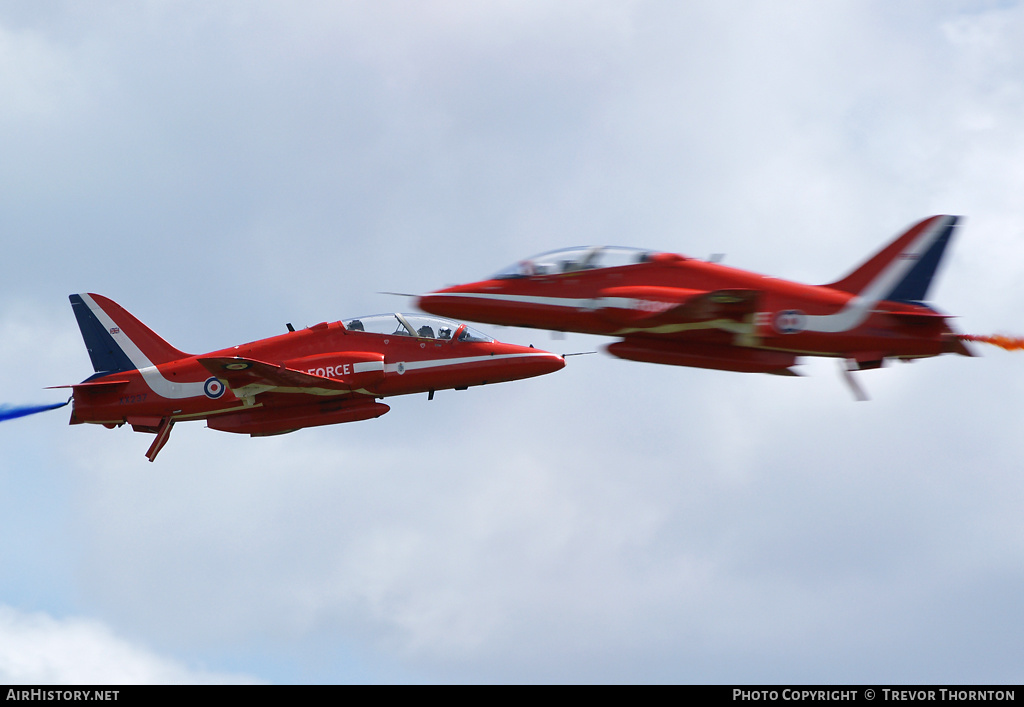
[9,412]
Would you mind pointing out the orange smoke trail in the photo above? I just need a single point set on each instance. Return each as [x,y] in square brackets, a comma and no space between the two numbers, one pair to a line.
[1010,343]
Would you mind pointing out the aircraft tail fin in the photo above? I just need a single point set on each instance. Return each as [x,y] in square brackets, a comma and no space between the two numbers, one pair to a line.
[903,270]
[116,340]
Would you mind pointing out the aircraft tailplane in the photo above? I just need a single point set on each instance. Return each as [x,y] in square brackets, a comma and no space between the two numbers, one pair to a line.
[903,270]
[116,340]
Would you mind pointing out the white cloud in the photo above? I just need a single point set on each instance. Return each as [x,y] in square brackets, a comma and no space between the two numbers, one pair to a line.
[36,648]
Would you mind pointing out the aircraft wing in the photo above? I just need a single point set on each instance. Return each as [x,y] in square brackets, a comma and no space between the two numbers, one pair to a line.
[248,377]
[655,306]
[716,304]
[919,317]
[103,385]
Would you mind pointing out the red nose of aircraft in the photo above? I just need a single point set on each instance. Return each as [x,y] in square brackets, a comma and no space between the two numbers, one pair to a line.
[468,301]
[509,362]
[539,363]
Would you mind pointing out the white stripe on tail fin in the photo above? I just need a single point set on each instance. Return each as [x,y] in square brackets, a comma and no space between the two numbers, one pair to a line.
[902,272]
[116,340]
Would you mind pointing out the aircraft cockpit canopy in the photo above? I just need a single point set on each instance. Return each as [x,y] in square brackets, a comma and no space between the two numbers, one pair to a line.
[423,326]
[574,259]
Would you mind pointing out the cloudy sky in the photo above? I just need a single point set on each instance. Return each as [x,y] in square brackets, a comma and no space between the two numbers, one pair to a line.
[223,168]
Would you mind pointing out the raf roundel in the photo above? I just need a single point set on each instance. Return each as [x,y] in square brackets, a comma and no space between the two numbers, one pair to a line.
[213,388]
[790,321]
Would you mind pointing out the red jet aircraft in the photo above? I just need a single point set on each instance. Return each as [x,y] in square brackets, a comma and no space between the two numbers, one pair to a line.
[682,311]
[326,374]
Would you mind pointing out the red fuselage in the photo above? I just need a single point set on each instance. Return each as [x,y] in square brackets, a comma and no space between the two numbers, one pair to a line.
[410,365]
[580,302]
[326,374]
[672,309]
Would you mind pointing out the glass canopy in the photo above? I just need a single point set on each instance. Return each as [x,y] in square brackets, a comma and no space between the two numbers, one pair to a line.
[574,259]
[423,326]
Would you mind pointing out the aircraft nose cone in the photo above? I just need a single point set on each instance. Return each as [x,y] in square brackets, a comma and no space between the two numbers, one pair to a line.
[539,363]
[422,301]
[476,302]
[558,363]
[436,303]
